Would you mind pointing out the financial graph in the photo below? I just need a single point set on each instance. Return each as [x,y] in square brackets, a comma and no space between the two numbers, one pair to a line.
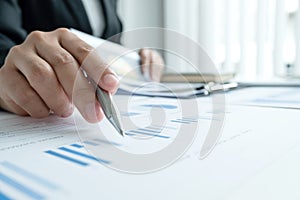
[56,143]
[19,183]
[76,153]
[148,131]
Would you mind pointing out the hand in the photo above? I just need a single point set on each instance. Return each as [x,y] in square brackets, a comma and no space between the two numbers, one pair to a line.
[152,64]
[42,75]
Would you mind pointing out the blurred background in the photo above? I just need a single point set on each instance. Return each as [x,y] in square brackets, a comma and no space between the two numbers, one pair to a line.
[256,39]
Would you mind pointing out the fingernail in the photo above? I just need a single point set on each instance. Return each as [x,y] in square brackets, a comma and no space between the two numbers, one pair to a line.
[69,112]
[110,80]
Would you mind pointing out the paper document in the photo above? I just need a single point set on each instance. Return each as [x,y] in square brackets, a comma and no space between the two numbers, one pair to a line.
[285,97]
[54,158]
[126,63]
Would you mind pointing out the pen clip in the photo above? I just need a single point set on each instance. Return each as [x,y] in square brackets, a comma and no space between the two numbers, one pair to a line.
[213,87]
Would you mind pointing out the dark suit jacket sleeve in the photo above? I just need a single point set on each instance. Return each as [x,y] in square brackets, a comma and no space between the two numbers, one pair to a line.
[20,17]
[11,31]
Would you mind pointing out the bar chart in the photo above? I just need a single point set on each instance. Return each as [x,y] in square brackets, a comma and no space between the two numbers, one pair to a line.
[16,182]
[19,183]
[148,131]
[77,154]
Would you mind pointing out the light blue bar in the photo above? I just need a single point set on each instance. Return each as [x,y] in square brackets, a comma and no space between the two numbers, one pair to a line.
[129,114]
[160,106]
[25,190]
[83,155]
[91,143]
[107,142]
[29,175]
[77,146]
[149,134]
[189,120]
[181,122]
[130,134]
[148,130]
[209,118]
[4,197]
[53,153]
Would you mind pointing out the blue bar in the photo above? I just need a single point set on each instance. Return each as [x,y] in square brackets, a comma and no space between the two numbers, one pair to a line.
[149,134]
[129,114]
[148,130]
[160,106]
[181,122]
[77,146]
[67,158]
[4,197]
[29,175]
[129,134]
[91,143]
[189,120]
[83,155]
[25,190]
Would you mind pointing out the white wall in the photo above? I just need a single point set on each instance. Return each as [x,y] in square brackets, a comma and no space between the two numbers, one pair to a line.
[140,13]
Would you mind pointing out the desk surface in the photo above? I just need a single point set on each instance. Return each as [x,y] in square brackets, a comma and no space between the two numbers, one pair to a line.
[256,155]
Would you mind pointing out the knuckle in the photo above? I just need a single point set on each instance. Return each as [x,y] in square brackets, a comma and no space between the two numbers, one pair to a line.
[36,36]
[84,49]
[62,31]
[15,50]
[62,58]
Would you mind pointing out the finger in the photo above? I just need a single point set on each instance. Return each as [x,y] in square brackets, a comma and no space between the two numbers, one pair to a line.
[9,105]
[71,78]
[109,81]
[85,100]
[145,61]
[156,67]
[19,90]
[43,80]
[74,83]
[62,62]
[89,60]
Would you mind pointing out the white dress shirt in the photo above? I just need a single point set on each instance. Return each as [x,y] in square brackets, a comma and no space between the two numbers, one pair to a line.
[95,14]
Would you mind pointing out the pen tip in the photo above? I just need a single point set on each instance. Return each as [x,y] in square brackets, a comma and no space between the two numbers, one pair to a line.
[122,133]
